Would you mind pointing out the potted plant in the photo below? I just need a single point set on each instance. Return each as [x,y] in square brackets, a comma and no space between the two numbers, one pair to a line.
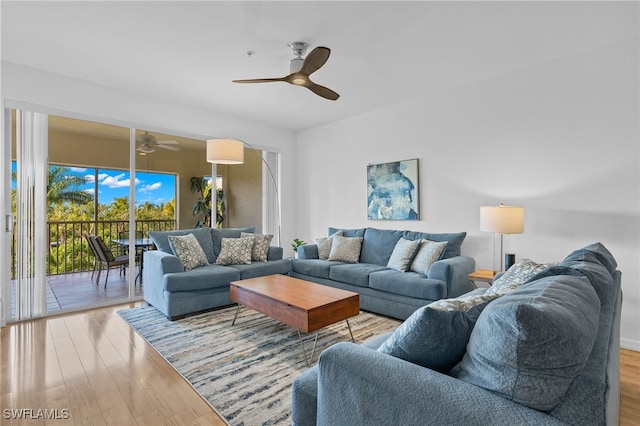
[296,243]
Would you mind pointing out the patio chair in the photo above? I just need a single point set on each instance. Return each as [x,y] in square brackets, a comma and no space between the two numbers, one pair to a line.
[107,259]
[96,257]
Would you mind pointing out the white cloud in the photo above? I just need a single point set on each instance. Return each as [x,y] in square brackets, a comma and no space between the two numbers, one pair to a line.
[78,169]
[152,187]
[91,191]
[91,178]
[117,181]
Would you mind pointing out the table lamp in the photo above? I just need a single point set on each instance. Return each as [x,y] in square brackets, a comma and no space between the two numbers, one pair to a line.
[502,220]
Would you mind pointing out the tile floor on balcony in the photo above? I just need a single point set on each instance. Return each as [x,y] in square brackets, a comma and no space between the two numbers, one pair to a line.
[69,291]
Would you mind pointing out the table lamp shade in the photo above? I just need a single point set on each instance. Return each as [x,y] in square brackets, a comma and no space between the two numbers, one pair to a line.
[225,151]
[502,219]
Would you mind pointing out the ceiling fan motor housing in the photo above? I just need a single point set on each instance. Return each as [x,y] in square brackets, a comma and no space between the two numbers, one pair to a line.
[295,65]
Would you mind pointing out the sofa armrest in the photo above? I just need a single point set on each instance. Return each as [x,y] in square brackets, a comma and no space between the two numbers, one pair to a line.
[161,263]
[357,385]
[455,272]
[275,253]
[308,251]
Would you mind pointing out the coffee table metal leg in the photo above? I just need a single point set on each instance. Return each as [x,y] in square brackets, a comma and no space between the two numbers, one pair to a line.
[236,315]
[349,325]
[303,351]
[315,340]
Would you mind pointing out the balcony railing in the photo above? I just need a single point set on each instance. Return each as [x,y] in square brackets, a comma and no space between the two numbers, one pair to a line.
[68,249]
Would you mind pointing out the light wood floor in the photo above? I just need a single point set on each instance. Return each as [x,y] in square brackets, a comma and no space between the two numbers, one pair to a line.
[94,365]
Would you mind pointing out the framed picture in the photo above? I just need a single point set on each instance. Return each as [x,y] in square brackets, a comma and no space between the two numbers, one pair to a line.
[392,191]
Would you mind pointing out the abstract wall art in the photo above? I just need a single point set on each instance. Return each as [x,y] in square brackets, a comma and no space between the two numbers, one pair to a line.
[392,191]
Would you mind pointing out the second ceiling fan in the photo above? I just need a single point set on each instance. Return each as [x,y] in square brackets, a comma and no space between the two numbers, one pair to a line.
[300,70]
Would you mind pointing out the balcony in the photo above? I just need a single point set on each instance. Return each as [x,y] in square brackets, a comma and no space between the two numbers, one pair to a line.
[70,262]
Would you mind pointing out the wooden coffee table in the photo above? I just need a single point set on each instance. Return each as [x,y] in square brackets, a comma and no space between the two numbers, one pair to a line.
[301,304]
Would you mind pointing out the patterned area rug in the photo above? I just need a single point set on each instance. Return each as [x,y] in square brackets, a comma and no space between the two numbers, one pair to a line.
[244,371]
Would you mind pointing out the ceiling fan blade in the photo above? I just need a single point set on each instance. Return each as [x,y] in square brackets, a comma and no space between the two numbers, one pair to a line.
[260,80]
[168,142]
[325,92]
[315,60]
[169,147]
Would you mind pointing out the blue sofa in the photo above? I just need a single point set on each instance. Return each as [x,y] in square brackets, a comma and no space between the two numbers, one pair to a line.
[383,290]
[177,293]
[546,353]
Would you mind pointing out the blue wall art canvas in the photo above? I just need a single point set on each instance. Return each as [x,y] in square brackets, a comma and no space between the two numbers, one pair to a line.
[392,191]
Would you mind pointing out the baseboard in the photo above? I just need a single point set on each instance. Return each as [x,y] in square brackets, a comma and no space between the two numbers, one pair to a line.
[633,345]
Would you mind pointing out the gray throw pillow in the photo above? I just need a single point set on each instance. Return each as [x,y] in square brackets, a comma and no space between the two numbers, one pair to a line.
[402,254]
[434,338]
[324,245]
[529,345]
[261,244]
[235,251]
[188,249]
[345,249]
[428,253]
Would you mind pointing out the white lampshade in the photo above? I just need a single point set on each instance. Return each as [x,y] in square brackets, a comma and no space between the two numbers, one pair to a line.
[225,151]
[502,219]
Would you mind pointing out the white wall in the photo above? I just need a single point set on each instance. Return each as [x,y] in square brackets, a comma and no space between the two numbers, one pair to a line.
[100,103]
[561,139]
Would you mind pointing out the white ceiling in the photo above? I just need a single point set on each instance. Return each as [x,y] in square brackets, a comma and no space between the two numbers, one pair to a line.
[382,53]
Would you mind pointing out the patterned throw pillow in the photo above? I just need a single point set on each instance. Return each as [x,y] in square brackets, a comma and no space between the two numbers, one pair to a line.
[517,275]
[324,245]
[260,245]
[345,249]
[189,250]
[428,253]
[402,254]
[235,251]
[463,303]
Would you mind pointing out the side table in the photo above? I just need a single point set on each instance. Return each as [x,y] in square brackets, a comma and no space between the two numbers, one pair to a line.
[483,275]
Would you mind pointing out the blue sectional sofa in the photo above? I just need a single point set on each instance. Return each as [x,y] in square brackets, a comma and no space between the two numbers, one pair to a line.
[382,289]
[544,353]
[177,293]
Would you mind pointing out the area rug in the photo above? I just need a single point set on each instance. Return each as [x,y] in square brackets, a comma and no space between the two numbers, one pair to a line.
[244,371]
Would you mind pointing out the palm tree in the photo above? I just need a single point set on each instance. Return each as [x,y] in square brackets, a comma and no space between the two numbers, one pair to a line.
[62,188]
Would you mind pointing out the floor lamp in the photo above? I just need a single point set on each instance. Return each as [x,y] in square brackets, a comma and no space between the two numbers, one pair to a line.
[231,151]
[502,220]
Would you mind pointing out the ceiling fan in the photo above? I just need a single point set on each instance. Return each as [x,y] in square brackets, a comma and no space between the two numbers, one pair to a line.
[147,143]
[300,69]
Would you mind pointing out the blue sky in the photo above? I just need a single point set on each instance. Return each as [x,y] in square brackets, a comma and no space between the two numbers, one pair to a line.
[156,188]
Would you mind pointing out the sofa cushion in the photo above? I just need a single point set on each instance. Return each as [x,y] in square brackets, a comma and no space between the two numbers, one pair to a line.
[261,244]
[188,250]
[454,241]
[324,245]
[217,234]
[161,240]
[403,254]
[428,253]
[529,345]
[594,262]
[358,232]
[378,244]
[345,249]
[235,251]
[261,269]
[354,274]
[410,284]
[434,338]
[313,267]
[521,272]
[203,278]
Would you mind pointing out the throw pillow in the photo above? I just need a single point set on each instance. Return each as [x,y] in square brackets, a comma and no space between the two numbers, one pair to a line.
[518,274]
[261,244]
[402,254]
[345,249]
[433,338]
[324,245]
[189,250]
[428,253]
[235,251]
[530,345]
[463,303]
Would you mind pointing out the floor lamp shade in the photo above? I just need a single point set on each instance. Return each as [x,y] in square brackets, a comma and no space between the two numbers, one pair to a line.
[225,151]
